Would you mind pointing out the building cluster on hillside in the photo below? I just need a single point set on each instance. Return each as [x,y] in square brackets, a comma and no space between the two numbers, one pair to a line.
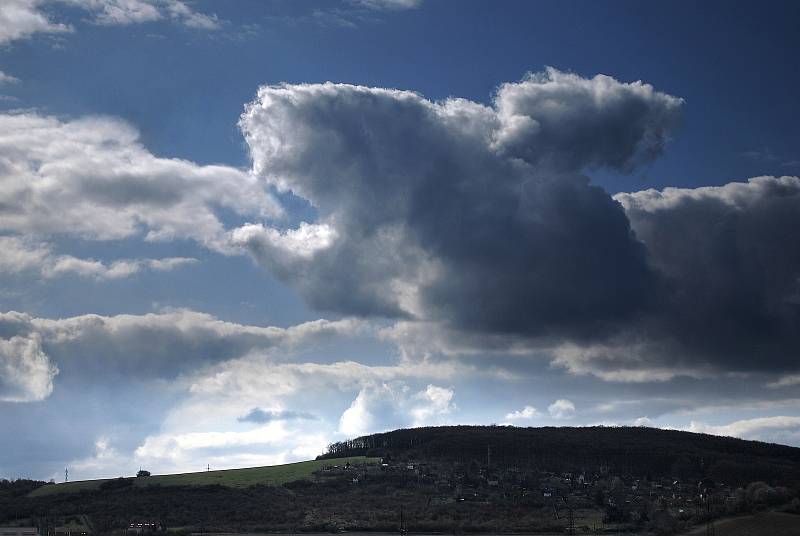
[622,496]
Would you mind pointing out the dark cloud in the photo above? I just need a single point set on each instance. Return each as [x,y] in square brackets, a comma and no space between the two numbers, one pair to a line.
[452,211]
[261,416]
[730,267]
[478,220]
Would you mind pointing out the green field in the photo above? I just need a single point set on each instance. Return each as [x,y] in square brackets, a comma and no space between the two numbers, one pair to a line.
[274,475]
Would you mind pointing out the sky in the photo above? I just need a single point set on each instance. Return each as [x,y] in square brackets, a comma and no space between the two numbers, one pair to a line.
[232,233]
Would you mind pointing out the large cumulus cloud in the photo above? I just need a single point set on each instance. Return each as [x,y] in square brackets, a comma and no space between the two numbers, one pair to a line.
[477,222]
[478,216]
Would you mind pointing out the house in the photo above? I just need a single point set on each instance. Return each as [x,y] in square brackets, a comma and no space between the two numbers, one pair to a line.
[148,527]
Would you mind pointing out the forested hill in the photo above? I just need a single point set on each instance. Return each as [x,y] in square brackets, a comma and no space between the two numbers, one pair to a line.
[620,450]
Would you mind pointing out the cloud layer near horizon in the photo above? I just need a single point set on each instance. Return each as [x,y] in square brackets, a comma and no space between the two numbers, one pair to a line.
[150,347]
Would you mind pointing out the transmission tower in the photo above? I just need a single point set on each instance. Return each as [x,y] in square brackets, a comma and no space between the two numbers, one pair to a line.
[66,474]
[570,520]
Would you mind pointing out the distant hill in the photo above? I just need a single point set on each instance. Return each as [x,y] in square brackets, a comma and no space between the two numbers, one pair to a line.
[623,450]
[452,480]
[273,475]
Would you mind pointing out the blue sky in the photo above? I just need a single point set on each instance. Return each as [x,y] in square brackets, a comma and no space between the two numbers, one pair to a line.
[182,203]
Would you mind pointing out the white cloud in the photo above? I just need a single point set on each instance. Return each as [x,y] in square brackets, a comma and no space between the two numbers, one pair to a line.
[182,451]
[782,429]
[105,461]
[369,412]
[26,373]
[7,79]
[785,381]
[125,12]
[182,13]
[302,242]
[173,446]
[526,413]
[92,178]
[115,270]
[159,345]
[561,409]
[250,377]
[643,421]
[388,4]
[435,403]
[20,19]
[268,445]
[384,406]
[119,12]
[20,255]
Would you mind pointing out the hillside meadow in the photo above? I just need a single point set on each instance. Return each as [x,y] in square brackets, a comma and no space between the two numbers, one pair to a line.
[274,475]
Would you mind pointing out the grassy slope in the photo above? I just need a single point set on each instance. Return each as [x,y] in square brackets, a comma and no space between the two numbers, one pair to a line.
[763,524]
[237,478]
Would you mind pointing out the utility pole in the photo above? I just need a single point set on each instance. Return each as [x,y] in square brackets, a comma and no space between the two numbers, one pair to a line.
[488,456]
[403,529]
[710,529]
[570,519]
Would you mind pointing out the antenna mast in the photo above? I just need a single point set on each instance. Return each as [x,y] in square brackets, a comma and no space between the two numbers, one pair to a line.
[403,529]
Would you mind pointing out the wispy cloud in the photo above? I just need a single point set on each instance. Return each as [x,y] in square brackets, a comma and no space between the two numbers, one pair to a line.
[387,4]
[21,255]
[7,78]
[767,156]
[261,416]
[21,19]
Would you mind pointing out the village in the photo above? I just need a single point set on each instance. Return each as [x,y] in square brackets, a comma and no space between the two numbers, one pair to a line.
[507,491]
[594,500]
